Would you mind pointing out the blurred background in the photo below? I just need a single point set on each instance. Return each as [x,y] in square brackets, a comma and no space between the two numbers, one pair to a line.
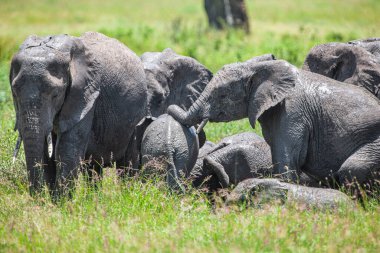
[287,28]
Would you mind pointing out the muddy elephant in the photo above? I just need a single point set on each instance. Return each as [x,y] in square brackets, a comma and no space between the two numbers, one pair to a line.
[234,159]
[170,148]
[230,152]
[356,63]
[328,129]
[256,192]
[87,92]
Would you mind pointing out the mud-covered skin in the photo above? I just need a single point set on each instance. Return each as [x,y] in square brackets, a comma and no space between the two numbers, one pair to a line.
[236,162]
[172,146]
[327,129]
[236,154]
[89,92]
[234,159]
[356,62]
[260,191]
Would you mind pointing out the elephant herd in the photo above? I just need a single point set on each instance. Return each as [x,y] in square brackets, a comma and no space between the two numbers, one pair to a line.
[90,98]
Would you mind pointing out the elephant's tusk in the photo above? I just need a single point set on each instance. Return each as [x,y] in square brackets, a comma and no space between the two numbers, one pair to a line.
[202,125]
[50,145]
[17,148]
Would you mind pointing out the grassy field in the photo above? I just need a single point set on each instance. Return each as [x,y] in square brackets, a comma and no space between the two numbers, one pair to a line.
[135,216]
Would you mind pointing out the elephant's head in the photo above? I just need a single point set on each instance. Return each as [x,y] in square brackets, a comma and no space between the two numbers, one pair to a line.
[348,63]
[173,79]
[239,90]
[53,87]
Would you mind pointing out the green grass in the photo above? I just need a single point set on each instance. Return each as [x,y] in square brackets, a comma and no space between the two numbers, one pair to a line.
[135,216]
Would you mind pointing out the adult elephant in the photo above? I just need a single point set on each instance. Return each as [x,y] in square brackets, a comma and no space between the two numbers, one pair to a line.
[313,124]
[356,63]
[87,92]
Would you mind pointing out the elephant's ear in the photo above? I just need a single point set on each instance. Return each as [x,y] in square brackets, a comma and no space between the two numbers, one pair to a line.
[11,77]
[366,71]
[345,63]
[187,80]
[270,84]
[83,89]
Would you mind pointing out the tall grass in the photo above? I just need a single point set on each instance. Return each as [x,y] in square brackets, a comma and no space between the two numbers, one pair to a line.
[134,216]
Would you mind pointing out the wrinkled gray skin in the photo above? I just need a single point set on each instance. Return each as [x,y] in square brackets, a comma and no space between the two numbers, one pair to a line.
[260,191]
[222,151]
[88,91]
[237,162]
[236,157]
[173,79]
[169,144]
[325,128]
[356,63]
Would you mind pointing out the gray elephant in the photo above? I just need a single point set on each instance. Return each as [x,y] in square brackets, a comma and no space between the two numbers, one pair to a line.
[230,151]
[170,146]
[256,192]
[236,162]
[173,79]
[356,63]
[87,92]
[327,129]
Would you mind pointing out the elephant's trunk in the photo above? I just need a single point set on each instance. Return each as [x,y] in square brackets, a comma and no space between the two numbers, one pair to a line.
[197,113]
[34,143]
[36,149]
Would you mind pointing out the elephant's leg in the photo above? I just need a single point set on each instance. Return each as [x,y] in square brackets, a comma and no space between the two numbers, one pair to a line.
[286,163]
[289,151]
[218,169]
[70,152]
[130,163]
[362,167]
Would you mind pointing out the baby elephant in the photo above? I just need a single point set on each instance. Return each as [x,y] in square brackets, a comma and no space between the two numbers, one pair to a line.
[260,191]
[236,162]
[171,145]
[232,160]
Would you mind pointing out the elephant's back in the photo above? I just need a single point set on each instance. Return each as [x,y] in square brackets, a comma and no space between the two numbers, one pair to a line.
[342,101]
[184,144]
[154,140]
[168,139]
[120,69]
[318,197]
[246,137]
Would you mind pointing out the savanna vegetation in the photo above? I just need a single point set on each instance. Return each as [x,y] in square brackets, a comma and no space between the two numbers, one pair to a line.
[132,215]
